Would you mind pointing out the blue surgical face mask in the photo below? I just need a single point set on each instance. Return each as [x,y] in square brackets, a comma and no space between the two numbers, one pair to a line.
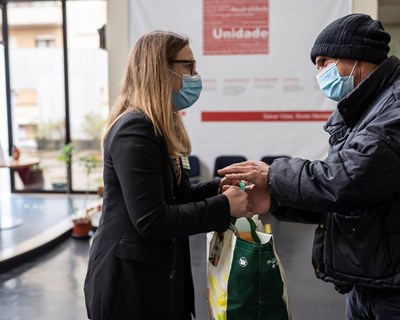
[333,85]
[189,93]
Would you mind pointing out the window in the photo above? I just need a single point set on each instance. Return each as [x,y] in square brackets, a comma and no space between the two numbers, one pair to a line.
[88,89]
[55,100]
[43,41]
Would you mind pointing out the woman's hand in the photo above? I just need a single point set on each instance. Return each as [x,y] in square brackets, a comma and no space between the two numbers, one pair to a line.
[224,183]
[239,202]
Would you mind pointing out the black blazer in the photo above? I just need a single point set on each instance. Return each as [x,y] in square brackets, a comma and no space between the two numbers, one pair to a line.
[139,264]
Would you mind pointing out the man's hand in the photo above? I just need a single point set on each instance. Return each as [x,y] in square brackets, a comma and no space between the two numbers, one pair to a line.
[252,171]
[260,199]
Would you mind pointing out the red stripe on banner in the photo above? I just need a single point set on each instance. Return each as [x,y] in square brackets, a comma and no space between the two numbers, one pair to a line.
[243,116]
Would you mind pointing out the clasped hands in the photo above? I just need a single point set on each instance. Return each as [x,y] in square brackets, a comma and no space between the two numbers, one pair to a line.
[257,198]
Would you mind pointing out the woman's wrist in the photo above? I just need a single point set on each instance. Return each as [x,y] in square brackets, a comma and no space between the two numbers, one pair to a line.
[219,191]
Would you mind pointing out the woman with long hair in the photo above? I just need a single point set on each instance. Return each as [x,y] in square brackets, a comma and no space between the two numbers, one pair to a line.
[139,265]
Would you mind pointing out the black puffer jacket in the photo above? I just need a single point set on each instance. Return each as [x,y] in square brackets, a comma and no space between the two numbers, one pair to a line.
[354,194]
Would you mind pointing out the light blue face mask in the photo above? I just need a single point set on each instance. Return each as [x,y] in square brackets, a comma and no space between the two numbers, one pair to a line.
[189,93]
[333,85]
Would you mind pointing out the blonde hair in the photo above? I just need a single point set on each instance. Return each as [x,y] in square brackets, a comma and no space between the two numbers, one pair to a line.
[147,87]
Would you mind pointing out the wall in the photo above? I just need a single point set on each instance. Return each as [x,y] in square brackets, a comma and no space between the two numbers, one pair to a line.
[117,43]
[366,6]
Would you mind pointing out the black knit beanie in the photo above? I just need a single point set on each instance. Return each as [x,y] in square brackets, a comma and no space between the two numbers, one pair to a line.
[356,37]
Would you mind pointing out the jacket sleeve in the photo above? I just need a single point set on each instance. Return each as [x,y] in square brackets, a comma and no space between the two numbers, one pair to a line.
[135,152]
[205,189]
[364,174]
[295,215]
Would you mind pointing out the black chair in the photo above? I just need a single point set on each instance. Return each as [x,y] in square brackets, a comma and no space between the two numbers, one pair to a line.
[271,158]
[194,172]
[226,160]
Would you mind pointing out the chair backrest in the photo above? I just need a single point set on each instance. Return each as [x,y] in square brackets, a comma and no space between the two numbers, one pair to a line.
[226,160]
[271,158]
[194,166]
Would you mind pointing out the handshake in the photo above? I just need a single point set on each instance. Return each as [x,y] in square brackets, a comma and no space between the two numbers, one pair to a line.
[257,198]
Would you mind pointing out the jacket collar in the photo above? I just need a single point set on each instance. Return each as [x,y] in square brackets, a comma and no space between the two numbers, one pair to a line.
[352,106]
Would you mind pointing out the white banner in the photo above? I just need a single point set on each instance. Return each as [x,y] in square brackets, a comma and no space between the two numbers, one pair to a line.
[260,96]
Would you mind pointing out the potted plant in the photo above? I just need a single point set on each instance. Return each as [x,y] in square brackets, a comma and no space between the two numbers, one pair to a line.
[65,155]
[89,163]
[82,223]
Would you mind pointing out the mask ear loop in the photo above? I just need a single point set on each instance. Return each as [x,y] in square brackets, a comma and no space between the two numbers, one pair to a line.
[353,68]
[175,73]
[331,65]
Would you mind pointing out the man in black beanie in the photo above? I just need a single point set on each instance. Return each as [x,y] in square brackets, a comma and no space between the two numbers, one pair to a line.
[353,195]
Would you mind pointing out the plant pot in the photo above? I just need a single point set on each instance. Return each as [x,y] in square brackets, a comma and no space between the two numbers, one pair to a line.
[59,186]
[82,228]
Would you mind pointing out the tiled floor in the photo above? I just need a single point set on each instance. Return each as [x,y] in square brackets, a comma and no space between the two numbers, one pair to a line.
[50,286]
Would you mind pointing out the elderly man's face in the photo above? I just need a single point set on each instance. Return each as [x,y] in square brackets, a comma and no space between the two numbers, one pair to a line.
[345,66]
[361,70]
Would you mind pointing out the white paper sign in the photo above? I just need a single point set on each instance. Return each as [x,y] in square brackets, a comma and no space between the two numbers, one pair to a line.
[260,96]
